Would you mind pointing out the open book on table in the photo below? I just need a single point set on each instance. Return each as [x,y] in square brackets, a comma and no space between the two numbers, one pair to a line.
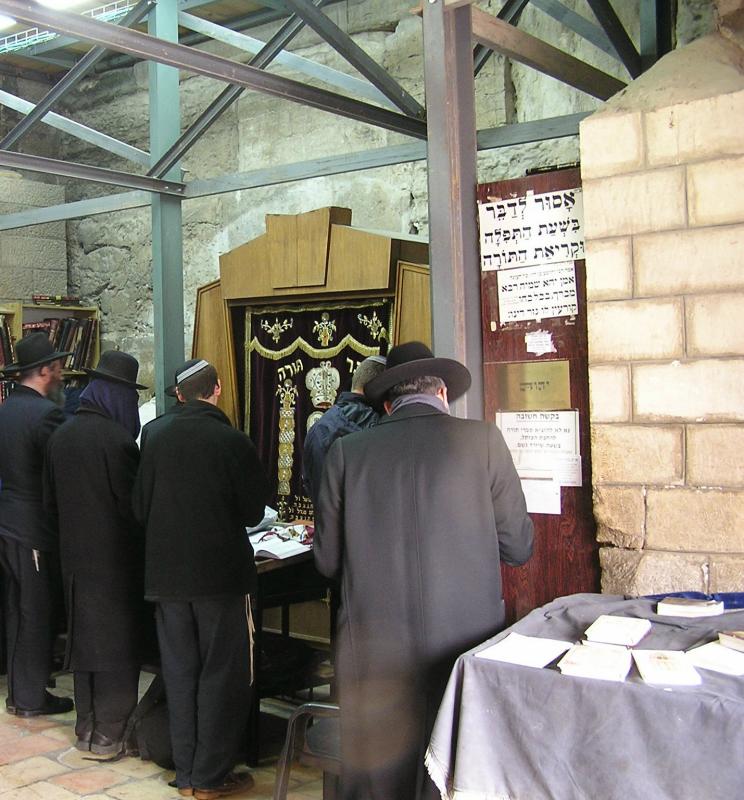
[278,542]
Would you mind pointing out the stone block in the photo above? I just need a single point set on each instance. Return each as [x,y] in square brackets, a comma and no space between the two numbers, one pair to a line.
[620,513]
[30,193]
[710,390]
[637,454]
[16,282]
[714,195]
[611,144]
[637,203]
[714,325]
[636,573]
[609,393]
[50,281]
[689,261]
[609,269]
[29,253]
[695,520]
[726,573]
[701,129]
[635,329]
[714,455]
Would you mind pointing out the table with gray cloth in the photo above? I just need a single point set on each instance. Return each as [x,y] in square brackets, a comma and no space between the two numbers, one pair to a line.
[507,731]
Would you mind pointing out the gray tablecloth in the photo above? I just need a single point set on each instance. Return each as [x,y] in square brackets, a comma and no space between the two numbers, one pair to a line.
[506,731]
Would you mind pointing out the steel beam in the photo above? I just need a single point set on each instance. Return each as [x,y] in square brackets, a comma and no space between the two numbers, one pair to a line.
[228,96]
[488,139]
[332,77]
[578,24]
[201,63]
[617,34]
[77,130]
[510,12]
[343,44]
[657,28]
[73,77]
[453,233]
[167,222]
[84,172]
[533,52]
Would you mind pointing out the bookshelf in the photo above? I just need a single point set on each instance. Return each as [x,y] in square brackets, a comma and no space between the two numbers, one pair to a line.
[71,327]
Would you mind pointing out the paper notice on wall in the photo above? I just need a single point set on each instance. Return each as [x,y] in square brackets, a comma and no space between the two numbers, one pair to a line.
[537,293]
[532,229]
[539,342]
[542,496]
[544,444]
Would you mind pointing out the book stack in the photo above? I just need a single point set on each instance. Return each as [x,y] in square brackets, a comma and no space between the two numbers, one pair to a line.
[74,334]
[689,607]
[7,355]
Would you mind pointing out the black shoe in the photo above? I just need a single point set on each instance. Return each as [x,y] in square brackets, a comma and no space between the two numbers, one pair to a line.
[53,705]
[101,745]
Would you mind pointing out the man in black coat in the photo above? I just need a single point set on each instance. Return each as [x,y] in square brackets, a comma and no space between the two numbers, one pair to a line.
[199,485]
[165,419]
[414,517]
[29,555]
[91,465]
[349,414]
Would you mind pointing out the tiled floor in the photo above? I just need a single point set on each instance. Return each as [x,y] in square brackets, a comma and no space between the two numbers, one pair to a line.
[39,762]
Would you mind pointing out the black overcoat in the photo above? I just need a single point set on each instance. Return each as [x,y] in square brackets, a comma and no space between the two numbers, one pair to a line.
[413,518]
[91,466]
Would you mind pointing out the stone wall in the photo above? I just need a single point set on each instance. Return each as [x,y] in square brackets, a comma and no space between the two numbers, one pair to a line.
[33,260]
[663,170]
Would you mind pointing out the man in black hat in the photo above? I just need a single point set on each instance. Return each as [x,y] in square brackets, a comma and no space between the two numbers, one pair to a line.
[91,465]
[414,517]
[29,555]
[200,484]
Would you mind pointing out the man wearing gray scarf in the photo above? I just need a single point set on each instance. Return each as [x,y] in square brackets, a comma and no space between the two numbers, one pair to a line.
[413,519]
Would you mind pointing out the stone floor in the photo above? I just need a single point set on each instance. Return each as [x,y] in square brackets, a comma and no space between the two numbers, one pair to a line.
[39,762]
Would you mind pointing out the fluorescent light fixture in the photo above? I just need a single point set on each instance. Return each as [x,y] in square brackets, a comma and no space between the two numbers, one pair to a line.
[6,22]
[58,5]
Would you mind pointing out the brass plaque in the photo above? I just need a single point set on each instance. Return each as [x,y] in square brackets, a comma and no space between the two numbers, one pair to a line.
[533,386]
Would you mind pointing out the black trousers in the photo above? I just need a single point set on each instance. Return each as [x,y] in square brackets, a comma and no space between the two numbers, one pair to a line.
[32,604]
[205,657]
[104,701]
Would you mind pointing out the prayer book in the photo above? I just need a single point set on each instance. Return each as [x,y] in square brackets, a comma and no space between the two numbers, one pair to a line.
[714,656]
[625,631]
[604,663]
[732,639]
[528,651]
[281,541]
[666,668]
[688,607]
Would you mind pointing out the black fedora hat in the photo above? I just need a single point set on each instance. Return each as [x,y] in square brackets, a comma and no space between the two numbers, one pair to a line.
[119,367]
[414,360]
[34,350]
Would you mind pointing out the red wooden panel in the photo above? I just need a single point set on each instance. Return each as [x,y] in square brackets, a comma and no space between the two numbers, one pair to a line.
[565,560]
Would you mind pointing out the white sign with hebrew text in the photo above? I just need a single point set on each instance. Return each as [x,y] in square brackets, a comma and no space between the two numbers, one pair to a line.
[532,229]
[537,292]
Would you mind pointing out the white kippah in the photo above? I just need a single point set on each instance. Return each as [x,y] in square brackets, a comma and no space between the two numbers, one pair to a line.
[187,373]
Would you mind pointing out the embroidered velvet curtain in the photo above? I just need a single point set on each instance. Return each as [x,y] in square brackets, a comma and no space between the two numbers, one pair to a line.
[298,359]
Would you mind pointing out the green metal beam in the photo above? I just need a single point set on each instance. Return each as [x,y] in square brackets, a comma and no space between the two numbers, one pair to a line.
[167,223]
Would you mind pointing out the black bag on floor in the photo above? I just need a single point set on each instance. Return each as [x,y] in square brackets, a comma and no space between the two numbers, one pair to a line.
[148,734]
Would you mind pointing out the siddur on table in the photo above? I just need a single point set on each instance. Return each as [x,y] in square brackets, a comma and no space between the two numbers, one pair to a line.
[716,657]
[689,607]
[666,667]
[528,651]
[625,631]
[601,662]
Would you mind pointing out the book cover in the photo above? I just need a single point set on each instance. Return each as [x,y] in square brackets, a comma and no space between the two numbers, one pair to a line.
[732,639]
[688,607]
[625,631]
[666,668]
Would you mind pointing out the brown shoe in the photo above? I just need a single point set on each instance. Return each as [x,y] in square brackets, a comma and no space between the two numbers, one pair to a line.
[234,783]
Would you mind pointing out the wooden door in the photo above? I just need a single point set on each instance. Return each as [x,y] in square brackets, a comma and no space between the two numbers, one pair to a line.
[565,559]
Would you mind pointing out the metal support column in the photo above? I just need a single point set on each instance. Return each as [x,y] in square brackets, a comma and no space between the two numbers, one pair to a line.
[453,232]
[167,241]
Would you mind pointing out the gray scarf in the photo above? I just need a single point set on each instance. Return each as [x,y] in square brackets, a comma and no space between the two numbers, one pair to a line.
[427,399]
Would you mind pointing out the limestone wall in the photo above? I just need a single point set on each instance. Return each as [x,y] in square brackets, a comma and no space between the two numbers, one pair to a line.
[663,170]
[33,260]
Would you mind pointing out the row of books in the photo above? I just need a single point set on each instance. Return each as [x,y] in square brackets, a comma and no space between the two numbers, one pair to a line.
[7,351]
[77,335]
